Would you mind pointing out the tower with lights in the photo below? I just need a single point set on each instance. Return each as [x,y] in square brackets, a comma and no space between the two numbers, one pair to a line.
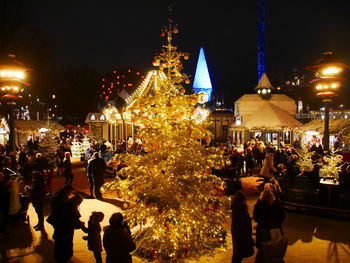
[202,84]
[264,88]
[261,38]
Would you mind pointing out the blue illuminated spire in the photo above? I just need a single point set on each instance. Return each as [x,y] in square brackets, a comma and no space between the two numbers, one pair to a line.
[261,38]
[202,83]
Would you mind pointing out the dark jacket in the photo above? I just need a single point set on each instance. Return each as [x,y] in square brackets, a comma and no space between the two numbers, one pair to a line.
[118,244]
[64,226]
[267,217]
[39,164]
[96,169]
[38,190]
[5,197]
[58,201]
[67,165]
[94,237]
[249,162]
[241,229]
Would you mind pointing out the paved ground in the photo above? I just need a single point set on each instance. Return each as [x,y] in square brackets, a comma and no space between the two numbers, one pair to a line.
[311,239]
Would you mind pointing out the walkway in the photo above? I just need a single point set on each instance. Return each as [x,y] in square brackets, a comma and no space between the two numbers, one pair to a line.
[311,239]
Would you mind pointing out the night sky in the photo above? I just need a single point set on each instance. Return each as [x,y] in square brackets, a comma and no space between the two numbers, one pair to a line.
[69,43]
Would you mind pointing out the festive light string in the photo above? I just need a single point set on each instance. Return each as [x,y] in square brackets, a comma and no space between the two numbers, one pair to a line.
[173,203]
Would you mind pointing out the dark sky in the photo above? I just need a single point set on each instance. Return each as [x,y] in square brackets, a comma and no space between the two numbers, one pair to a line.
[106,34]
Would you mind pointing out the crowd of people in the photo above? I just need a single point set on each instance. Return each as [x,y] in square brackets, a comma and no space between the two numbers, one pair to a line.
[29,173]
[65,219]
[271,243]
[280,163]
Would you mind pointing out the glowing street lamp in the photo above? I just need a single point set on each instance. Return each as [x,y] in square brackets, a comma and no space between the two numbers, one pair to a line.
[328,80]
[12,76]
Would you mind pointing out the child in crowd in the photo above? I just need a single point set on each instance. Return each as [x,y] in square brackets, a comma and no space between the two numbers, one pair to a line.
[94,235]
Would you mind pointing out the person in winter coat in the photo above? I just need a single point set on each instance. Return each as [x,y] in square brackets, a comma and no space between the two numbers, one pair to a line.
[37,198]
[61,197]
[39,163]
[269,214]
[65,224]
[241,229]
[117,241]
[22,157]
[249,161]
[96,170]
[268,169]
[4,204]
[67,166]
[94,235]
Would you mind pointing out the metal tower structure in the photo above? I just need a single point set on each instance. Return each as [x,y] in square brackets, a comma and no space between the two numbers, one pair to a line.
[261,38]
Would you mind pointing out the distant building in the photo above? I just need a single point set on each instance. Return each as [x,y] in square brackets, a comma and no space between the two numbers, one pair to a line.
[220,120]
[265,115]
[123,127]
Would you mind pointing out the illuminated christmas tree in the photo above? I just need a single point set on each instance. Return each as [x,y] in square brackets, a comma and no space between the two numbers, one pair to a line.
[85,144]
[173,202]
[48,147]
[76,148]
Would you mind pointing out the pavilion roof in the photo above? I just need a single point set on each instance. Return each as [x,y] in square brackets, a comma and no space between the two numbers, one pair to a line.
[335,126]
[269,116]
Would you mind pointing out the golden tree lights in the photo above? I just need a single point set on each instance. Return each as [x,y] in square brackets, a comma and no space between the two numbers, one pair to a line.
[174,204]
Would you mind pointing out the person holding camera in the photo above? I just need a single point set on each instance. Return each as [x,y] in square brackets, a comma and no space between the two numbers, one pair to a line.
[117,240]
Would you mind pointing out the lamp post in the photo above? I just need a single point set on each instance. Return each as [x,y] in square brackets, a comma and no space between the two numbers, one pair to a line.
[12,75]
[327,82]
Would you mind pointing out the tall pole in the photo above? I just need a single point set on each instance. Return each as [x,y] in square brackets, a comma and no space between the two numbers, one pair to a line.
[261,38]
[326,124]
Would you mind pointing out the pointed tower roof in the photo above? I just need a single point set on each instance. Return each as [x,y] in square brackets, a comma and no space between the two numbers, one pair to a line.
[264,88]
[202,78]
[264,83]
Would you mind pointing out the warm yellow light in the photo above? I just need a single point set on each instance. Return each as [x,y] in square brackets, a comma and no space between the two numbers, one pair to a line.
[331,71]
[264,91]
[16,74]
[334,85]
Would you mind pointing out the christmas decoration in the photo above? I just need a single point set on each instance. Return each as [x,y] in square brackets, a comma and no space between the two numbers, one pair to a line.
[85,144]
[305,161]
[76,148]
[48,147]
[331,168]
[173,202]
